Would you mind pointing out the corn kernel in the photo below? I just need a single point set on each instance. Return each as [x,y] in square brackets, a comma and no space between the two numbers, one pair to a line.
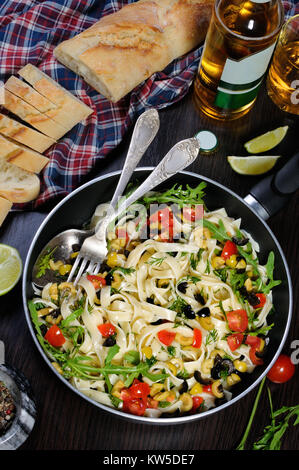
[196,389]
[241,366]
[65,269]
[231,261]
[147,351]
[112,260]
[241,264]
[248,285]
[74,255]
[232,379]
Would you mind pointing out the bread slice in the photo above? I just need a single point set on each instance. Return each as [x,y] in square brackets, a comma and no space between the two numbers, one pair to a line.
[5,207]
[24,135]
[32,116]
[22,156]
[17,185]
[41,103]
[62,98]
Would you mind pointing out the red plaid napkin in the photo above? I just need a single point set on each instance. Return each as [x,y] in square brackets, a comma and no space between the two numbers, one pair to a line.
[30,30]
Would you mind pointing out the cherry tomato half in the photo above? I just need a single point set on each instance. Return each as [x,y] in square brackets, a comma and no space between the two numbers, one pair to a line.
[234,341]
[197,401]
[207,388]
[166,337]
[134,406]
[107,329]
[257,361]
[140,390]
[255,341]
[237,320]
[229,249]
[262,298]
[197,338]
[97,281]
[55,336]
[282,371]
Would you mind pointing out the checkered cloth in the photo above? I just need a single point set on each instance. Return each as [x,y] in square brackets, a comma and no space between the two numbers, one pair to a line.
[30,30]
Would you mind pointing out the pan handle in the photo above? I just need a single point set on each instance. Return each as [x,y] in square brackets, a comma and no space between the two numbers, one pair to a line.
[273,192]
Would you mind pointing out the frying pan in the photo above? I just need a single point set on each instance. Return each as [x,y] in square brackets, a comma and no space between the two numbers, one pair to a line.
[265,199]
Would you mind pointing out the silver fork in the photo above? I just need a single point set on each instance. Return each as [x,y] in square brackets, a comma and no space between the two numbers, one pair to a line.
[145,130]
[94,249]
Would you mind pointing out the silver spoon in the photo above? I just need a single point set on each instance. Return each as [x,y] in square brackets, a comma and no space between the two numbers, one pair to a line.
[65,243]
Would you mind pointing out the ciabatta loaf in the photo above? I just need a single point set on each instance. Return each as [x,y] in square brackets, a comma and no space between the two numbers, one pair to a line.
[22,156]
[125,48]
[24,134]
[64,100]
[5,207]
[17,185]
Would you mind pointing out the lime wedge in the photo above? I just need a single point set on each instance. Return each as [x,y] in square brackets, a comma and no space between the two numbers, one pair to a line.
[267,141]
[253,165]
[10,268]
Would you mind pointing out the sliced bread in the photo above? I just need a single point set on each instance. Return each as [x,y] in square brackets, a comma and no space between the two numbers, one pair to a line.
[5,207]
[17,185]
[22,156]
[24,135]
[62,98]
[32,116]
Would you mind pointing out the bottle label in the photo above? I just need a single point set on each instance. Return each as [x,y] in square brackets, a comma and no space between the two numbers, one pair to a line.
[240,80]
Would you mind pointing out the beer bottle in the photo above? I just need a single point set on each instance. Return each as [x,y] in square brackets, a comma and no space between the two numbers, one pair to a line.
[238,48]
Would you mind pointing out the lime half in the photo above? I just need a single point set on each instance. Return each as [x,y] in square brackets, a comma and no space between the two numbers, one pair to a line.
[253,165]
[267,141]
[10,268]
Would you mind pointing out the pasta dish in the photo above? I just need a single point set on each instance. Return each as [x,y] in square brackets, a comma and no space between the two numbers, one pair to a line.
[178,315]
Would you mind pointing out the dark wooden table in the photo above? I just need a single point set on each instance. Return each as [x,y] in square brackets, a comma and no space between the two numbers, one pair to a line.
[65,421]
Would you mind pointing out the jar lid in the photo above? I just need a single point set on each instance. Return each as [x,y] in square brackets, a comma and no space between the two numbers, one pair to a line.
[207,140]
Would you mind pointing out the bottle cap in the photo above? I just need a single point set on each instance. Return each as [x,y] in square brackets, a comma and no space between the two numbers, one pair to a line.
[208,141]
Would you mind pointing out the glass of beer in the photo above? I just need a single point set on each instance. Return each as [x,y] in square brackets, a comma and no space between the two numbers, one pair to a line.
[283,77]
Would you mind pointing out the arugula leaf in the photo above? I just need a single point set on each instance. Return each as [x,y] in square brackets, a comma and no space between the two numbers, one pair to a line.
[111,353]
[132,357]
[177,195]
[270,270]
[115,400]
[249,259]
[218,232]
[273,433]
[73,316]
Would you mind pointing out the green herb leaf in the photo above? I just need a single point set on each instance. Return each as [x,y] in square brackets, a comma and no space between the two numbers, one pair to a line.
[132,357]
[218,232]
[44,262]
[177,195]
